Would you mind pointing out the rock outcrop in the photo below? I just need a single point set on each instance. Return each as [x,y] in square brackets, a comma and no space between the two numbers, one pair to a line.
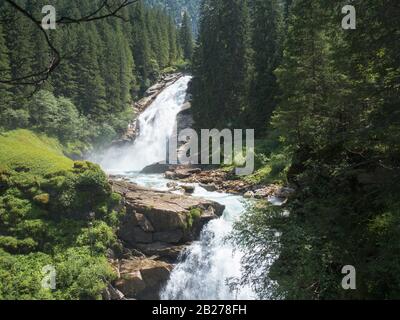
[156,216]
[156,228]
[223,181]
[142,278]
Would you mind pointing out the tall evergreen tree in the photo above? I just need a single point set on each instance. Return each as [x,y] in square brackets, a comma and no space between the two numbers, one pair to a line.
[5,95]
[221,64]
[186,37]
[267,47]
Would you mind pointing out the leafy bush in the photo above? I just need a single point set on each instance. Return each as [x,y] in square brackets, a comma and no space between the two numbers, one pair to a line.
[45,219]
[56,117]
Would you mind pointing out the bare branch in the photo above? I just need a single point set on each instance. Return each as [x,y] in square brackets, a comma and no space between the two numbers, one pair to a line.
[37,78]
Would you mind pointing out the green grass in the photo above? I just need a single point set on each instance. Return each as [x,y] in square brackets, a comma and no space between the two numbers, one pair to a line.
[25,150]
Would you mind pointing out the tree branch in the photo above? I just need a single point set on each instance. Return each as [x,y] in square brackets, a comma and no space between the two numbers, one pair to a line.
[37,78]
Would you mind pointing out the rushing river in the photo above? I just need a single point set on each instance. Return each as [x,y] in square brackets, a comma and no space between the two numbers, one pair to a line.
[207,265]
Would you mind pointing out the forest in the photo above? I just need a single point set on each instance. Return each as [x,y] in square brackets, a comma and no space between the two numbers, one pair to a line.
[325,105]
[105,65]
[54,211]
[323,101]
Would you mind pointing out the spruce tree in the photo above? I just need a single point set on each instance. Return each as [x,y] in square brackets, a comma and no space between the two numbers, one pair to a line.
[222,64]
[186,37]
[267,47]
[5,74]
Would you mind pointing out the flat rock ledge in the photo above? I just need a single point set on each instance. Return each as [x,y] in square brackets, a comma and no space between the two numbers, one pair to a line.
[156,229]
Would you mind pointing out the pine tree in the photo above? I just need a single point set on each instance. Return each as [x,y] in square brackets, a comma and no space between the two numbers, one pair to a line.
[267,47]
[5,95]
[91,99]
[304,76]
[221,65]
[173,42]
[186,37]
[140,44]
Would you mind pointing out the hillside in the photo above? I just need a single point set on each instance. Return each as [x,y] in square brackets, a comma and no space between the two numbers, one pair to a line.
[45,199]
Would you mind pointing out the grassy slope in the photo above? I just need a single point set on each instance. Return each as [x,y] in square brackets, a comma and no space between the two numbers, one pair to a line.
[25,149]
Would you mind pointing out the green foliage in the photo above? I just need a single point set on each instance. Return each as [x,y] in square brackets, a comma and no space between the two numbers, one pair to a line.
[267,46]
[45,206]
[194,215]
[22,150]
[79,275]
[338,125]
[105,65]
[186,37]
[221,65]
[56,117]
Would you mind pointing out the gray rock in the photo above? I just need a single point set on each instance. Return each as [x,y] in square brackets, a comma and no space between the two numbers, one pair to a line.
[188,189]
[173,236]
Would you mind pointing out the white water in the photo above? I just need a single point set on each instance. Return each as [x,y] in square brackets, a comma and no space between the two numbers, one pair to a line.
[208,263]
[156,125]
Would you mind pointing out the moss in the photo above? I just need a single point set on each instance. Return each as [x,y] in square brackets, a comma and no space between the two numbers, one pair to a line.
[193,216]
[43,198]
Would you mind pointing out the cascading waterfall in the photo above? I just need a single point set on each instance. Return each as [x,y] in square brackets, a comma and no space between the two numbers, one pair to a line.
[156,125]
[206,265]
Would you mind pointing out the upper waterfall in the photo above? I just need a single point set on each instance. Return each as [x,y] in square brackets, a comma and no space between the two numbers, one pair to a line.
[156,125]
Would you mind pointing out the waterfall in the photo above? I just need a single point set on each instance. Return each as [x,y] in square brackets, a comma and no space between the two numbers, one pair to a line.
[205,267]
[208,264]
[156,125]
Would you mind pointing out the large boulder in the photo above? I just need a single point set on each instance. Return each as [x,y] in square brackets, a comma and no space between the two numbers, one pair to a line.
[164,251]
[156,168]
[157,216]
[142,278]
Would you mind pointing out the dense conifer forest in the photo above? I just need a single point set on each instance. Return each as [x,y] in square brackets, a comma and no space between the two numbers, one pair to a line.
[324,102]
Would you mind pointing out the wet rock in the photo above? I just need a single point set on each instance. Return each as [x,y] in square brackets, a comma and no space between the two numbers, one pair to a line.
[249,195]
[209,187]
[284,192]
[173,186]
[111,293]
[170,175]
[184,118]
[188,189]
[156,168]
[181,172]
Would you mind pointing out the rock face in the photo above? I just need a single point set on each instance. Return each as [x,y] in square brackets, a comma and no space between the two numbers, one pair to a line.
[184,119]
[155,216]
[142,278]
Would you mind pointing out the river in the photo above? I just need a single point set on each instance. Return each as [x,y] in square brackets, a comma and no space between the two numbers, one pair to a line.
[204,269]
